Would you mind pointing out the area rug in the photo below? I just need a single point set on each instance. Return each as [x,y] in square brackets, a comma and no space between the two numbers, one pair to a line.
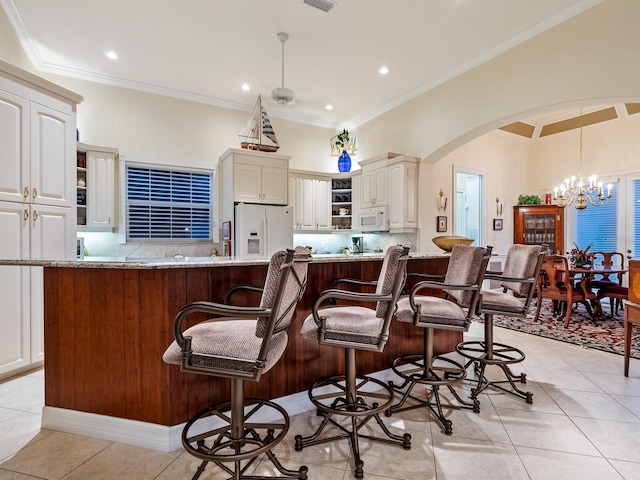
[605,334]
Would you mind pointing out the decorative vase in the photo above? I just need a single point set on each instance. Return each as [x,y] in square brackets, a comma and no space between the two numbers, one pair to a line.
[344,162]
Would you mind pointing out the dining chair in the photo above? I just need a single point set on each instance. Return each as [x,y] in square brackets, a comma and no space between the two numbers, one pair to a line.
[609,285]
[348,401]
[556,284]
[241,343]
[631,317]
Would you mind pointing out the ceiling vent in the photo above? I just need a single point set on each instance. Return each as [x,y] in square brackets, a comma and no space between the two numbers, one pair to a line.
[324,5]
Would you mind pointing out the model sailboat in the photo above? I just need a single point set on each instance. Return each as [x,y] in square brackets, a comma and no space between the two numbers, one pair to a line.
[258,133]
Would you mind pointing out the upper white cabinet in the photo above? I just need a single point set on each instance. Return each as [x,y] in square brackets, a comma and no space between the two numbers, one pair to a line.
[253,177]
[374,183]
[95,186]
[403,194]
[37,141]
[310,196]
[257,177]
[37,204]
[392,180]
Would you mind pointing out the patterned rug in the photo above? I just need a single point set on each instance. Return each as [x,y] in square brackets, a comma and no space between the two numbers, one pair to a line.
[605,334]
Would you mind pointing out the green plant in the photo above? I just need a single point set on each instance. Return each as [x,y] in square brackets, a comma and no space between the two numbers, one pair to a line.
[342,139]
[529,200]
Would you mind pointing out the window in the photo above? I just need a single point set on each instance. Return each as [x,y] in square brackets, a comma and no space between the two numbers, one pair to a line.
[163,204]
[598,226]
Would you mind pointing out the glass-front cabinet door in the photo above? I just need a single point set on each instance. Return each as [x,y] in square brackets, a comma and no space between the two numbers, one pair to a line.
[539,225]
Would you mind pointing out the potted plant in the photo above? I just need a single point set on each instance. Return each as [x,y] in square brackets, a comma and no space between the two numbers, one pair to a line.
[529,200]
[340,143]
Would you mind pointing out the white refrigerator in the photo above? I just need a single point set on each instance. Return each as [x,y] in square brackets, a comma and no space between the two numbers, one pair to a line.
[262,230]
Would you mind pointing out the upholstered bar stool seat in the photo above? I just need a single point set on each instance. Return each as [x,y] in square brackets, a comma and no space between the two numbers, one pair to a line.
[241,343]
[518,281]
[454,312]
[359,398]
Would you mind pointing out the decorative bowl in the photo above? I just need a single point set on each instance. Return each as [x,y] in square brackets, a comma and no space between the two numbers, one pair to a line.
[447,242]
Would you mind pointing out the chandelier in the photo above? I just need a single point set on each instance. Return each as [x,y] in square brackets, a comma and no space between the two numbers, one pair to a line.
[576,191]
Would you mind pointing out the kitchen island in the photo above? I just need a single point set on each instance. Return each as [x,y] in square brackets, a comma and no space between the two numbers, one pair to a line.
[107,324]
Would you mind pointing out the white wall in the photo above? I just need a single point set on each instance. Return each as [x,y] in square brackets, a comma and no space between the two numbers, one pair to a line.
[590,60]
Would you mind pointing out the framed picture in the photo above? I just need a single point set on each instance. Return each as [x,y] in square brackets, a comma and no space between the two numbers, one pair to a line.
[497,224]
[442,223]
[226,230]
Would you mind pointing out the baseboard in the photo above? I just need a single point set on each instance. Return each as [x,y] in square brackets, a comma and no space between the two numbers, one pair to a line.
[150,435]
[140,434]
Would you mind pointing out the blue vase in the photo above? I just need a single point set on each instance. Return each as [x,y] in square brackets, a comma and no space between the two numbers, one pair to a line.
[344,162]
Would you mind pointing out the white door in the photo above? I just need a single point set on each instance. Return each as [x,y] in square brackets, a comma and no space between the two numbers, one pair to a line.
[305,204]
[53,151]
[100,202]
[323,203]
[14,289]
[631,247]
[14,139]
[53,233]
[247,183]
[279,234]
[274,185]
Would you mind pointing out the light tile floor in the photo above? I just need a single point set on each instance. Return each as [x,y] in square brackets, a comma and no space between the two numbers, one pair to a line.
[584,423]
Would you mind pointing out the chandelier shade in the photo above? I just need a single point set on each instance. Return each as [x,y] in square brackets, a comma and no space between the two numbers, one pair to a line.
[576,191]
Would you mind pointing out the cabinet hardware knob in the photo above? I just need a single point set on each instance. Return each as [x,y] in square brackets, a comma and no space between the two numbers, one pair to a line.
[26,214]
[35,215]
[34,194]
[26,192]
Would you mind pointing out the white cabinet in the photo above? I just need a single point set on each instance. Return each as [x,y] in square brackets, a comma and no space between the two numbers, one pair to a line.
[403,194]
[259,182]
[36,232]
[392,180]
[36,140]
[311,201]
[374,184]
[37,204]
[95,186]
[252,177]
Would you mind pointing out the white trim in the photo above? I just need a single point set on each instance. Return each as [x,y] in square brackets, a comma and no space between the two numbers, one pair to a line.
[140,434]
[151,435]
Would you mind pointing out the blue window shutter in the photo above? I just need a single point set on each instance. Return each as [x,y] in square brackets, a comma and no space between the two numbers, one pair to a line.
[164,204]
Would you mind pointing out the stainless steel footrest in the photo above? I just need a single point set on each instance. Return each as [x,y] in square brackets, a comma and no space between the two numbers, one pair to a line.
[446,373]
[210,436]
[371,396]
[482,354]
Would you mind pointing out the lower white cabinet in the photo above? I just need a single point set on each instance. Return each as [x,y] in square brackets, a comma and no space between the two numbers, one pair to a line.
[28,232]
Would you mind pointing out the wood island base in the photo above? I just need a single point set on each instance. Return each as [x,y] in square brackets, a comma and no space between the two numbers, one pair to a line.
[107,328]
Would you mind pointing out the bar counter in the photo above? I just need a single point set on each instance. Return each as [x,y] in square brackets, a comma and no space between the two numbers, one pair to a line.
[107,324]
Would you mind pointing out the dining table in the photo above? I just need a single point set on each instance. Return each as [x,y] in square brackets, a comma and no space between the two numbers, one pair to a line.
[582,276]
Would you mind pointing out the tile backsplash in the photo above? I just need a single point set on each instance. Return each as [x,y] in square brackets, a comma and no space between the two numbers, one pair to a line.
[101,244]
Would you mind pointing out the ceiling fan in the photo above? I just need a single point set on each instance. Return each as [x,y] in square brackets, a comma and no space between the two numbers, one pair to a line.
[281,94]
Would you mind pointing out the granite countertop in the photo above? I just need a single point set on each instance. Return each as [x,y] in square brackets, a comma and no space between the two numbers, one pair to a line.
[193,262]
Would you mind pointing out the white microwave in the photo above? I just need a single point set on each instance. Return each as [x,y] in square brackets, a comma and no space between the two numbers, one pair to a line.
[373,220]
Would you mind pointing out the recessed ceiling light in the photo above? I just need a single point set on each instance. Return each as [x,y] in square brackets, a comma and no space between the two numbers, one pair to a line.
[383,70]
[112,55]
[329,107]
[245,87]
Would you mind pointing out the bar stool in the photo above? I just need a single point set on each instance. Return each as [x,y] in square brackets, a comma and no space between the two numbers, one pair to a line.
[354,327]
[241,343]
[454,312]
[518,281]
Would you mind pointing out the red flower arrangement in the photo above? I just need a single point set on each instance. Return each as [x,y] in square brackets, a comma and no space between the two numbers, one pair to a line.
[579,257]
